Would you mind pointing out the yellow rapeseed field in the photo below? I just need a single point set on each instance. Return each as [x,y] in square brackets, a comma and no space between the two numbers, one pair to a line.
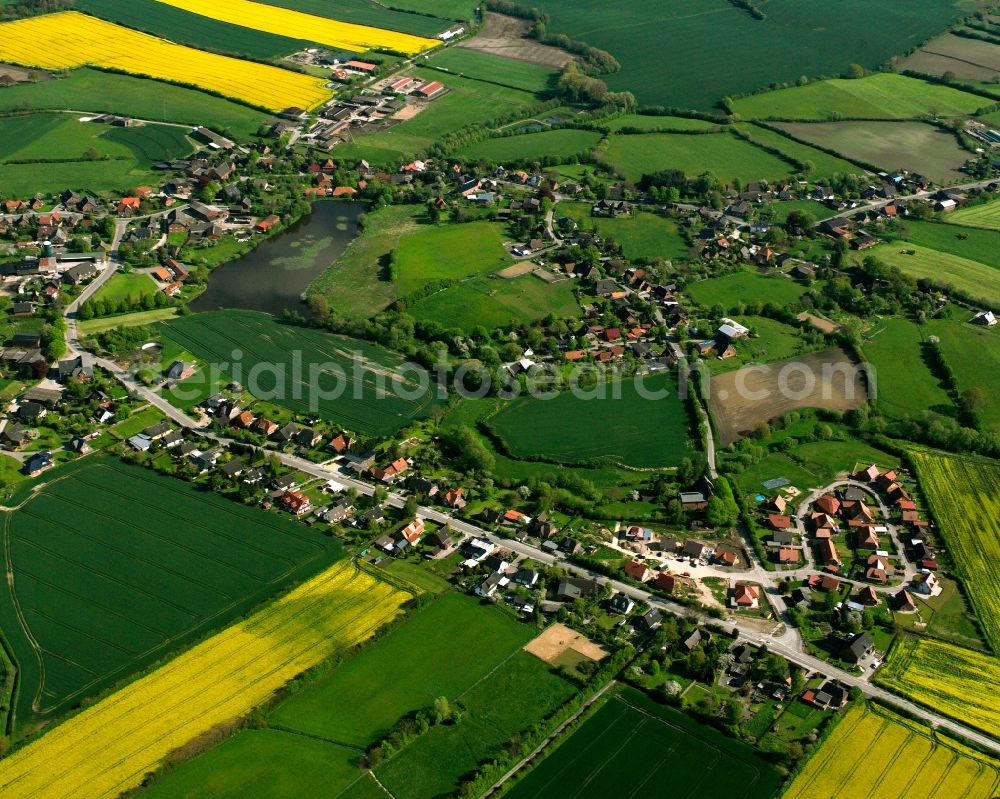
[108,748]
[299,25]
[946,678]
[70,39]
[874,752]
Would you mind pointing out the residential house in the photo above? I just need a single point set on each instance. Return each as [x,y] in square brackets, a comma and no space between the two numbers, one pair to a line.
[637,570]
[926,583]
[666,582]
[744,596]
[37,463]
[295,502]
[572,588]
[860,646]
[453,498]
[621,604]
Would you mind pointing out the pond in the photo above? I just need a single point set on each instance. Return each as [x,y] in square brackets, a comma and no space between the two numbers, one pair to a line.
[274,276]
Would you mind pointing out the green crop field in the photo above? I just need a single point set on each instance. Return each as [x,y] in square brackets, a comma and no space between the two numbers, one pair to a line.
[971,278]
[744,288]
[692,53]
[630,744]
[393,16]
[972,351]
[152,143]
[131,286]
[187,28]
[905,384]
[973,244]
[114,566]
[914,146]
[650,123]
[982,216]
[881,96]
[452,647]
[964,496]
[493,302]
[528,147]
[823,165]
[341,379]
[641,235]
[644,431]
[723,154]
[495,69]
[448,252]
[108,93]
[467,102]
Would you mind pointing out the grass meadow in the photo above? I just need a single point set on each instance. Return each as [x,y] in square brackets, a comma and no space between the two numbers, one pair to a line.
[448,252]
[630,743]
[492,68]
[744,288]
[906,386]
[979,216]
[971,278]
[823,165]
[722,154]
[127,286]
[367,406]
[641,235]
[115,566]
[972,244]
[913,146]
[630,429]
[91,90]
[652,124]
[884,95]
[528,147]
[971,351]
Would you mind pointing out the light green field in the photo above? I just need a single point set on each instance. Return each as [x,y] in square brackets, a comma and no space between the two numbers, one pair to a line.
[744,288]
[971,351]
[494,302]
[885,95]
[127,286]
[648,122]
[721,154]
[915,146]
[642,235]
[563,143]
[905,384]
[969,277]
[91,327]
[448,252]
[483,66]
[108,93]
[973,244]
[984,216]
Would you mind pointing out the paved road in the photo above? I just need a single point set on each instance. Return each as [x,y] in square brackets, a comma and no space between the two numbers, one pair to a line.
[920,195]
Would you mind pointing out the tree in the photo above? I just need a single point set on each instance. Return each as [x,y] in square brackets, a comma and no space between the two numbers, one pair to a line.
[410,507]
[671,691]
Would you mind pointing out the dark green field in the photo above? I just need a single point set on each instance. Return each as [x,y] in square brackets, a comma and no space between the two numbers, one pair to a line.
[692,53]
[528,147]
[483,66]
[454,647]
[108,93]
[366,402]
[115,566]
[630,428]
[632,746]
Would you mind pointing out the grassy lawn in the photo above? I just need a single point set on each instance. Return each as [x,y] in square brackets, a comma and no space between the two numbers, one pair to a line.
[885,95]
[642,235]
[950,271]
[93,326]
[781,210]
[914,146]
[742,288]
[127,286]
[722,154]
[356,283]
[449,252]
[484,66]
[136,423]
[527,147]
[495,302]
[906,386]
[576,429]
[946,616]
[418,573]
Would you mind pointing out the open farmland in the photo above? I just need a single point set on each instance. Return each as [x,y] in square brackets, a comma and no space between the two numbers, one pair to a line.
[529,147]
[741,400]
[717,50]
[966,58]
[126,95]
[651,123]
[905,385]
[631,743]
[722,154]
[971,352]
[341,379]
[745,288]
[881,96]
[986,216]
[448,252]
[873,752]
[945,678]
[964,496]
[70,39]
[818,163]
[493,302]
[108,748]
[914,146]
[951,272]
[496,69]
[622,425]
[421,17]
[322,30]
[972,244]
[115,566]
